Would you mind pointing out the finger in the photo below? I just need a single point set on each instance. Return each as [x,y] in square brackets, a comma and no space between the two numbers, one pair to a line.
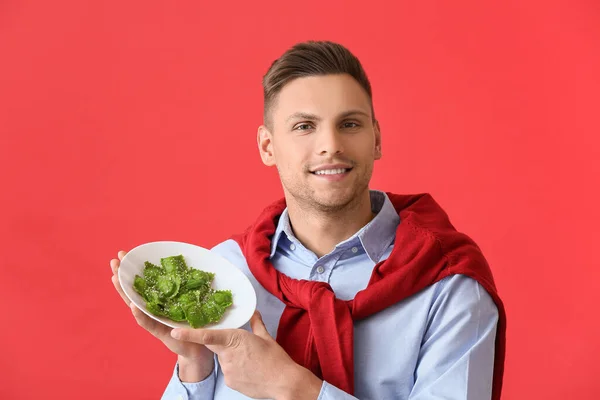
[158,330]
[121,254]
[114,265]
[258,326]
[117,284]
[210,337]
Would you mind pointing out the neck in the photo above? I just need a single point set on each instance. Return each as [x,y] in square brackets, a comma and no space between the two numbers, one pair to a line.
[321,230]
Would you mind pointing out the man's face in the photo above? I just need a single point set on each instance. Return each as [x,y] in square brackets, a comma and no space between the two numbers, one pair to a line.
[322,140]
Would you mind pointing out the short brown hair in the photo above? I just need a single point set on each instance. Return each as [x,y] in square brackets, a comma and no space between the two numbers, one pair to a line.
[312,58]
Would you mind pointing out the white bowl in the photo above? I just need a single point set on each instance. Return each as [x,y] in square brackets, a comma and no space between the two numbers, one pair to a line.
[227,277]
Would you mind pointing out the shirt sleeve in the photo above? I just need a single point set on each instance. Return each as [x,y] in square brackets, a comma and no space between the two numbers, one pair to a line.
[177,390]
[456,359]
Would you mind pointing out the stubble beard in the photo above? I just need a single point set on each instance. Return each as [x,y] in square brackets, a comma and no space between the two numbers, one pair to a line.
[307,198]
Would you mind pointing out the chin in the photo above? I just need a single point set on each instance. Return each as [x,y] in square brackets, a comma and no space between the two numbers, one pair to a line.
[333,203]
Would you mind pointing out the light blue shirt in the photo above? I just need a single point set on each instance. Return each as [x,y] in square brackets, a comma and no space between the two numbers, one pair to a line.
[437,344]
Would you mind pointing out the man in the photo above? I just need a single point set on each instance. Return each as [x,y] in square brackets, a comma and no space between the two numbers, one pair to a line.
[361,293]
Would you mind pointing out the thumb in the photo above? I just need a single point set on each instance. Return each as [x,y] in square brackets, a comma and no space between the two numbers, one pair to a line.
[258,326]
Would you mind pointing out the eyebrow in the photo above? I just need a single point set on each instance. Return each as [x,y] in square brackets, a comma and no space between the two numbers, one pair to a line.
[314,117]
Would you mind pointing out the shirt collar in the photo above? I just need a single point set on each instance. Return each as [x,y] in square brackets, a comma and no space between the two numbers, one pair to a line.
[283,227]
[375,237]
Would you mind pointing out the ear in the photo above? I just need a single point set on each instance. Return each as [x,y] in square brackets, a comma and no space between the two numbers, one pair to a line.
[264,139]
[377,140]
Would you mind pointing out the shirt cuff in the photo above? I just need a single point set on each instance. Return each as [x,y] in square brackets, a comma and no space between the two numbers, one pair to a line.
[177,390]
[330,392]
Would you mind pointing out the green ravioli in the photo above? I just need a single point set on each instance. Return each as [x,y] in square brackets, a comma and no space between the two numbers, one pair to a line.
[180,293]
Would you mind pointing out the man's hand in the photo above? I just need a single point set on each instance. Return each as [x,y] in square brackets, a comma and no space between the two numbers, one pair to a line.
[254,363]
[196,362]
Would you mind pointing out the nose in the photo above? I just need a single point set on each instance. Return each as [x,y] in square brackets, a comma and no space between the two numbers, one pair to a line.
[329,141]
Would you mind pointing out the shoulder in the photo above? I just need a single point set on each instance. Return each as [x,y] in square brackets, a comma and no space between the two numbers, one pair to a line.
[460,295]
[230,250]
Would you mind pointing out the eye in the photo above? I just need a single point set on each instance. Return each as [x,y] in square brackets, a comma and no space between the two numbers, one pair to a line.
[303,127]
[350,125]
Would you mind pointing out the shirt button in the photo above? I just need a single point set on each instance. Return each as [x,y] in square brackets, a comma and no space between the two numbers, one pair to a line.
[180,397]
[320,269]
[355,249]
[292,247]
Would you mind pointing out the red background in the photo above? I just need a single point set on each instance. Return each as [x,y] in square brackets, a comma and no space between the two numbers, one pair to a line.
[124,122]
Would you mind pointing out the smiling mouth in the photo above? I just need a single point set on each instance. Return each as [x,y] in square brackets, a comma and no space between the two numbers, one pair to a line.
[334,171]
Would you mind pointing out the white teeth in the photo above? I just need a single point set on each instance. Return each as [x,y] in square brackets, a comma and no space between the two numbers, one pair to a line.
[330,171]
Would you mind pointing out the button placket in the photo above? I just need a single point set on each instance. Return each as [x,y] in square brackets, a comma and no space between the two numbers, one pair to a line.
[324,268]
[320,269]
